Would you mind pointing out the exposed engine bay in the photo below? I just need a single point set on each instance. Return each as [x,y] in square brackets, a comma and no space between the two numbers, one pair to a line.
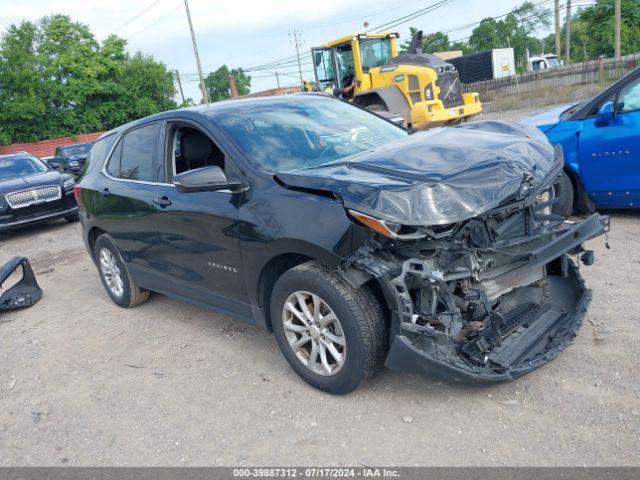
[487,299]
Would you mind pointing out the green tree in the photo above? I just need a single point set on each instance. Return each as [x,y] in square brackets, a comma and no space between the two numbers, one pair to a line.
[56,79]
[516,30]
[217,83]
[599,23]
[22,106]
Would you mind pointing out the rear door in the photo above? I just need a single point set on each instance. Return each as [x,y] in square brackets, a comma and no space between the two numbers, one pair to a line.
[127,207]
[610,154]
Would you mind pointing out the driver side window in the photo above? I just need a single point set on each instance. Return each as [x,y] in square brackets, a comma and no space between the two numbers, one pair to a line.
[629,99]
[192,149]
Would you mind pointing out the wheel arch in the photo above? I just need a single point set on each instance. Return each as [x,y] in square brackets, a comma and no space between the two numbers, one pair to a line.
[391,97]
[92,236]
[582,203]
[268,277]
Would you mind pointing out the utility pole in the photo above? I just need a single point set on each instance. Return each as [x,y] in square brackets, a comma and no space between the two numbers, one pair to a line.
[277,79]
[617,34]
[232,86]
[567,47]
[205,94]
[296,38]
[558,42]
[180,85]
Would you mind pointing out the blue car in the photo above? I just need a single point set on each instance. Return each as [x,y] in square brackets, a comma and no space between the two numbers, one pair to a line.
[601,142]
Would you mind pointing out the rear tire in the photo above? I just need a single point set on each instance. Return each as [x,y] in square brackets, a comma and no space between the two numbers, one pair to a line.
[360,328]
[563,191]
[115,276]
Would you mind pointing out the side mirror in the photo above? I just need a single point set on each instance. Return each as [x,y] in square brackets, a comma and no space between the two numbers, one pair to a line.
[606,113]
[206,179]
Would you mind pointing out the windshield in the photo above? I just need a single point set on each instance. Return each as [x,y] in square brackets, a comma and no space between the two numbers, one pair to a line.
[374,52]
[290,135]
[16,167]
[75,150]
[553,62]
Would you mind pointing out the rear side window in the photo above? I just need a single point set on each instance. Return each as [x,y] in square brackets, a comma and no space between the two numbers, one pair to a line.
[98,152]
[136,156]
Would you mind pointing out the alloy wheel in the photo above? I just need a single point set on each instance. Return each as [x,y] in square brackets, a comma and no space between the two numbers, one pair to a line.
[314,333]
[111,272]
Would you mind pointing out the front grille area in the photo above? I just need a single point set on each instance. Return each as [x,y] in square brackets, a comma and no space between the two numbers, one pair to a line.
[450,88]
[36,195]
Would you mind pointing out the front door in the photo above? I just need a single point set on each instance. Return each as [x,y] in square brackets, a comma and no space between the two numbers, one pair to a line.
[324,68]
[198,249]
[610,154]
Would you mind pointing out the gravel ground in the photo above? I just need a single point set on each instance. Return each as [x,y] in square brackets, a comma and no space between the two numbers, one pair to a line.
[83,382]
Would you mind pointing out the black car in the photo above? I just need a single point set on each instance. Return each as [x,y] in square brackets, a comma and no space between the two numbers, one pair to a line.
[354,241]
[32,192]
[70,158]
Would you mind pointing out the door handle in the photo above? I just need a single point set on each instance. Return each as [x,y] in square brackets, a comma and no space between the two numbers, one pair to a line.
[105,193]
[162,201]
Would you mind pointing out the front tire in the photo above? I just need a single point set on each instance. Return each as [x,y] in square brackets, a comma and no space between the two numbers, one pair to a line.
[563,191]
[115,277]
[332,335]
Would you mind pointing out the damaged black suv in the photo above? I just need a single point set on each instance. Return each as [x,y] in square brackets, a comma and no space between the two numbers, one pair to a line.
[355,242]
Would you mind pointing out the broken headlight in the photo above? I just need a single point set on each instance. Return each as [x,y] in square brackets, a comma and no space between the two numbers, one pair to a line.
[388,229]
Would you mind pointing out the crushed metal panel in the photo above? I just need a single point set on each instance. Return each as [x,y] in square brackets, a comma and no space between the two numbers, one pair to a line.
[437,177]
[23,294]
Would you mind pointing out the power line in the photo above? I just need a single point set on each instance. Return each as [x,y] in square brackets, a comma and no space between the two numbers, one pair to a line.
[136,16]
[473,24]
[361,16]
[294,57]
[155,21]
[410,16]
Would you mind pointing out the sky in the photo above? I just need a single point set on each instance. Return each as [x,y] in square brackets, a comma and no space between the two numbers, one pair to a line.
[246,33]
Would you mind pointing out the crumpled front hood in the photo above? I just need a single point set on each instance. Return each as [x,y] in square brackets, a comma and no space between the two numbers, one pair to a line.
[440,176]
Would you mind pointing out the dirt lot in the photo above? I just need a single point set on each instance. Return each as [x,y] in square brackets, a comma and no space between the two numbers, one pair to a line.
[83,382]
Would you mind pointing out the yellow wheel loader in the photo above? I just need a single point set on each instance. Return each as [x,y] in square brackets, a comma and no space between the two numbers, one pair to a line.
[421,88]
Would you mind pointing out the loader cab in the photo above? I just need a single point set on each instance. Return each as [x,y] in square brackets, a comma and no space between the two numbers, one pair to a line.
[350,58]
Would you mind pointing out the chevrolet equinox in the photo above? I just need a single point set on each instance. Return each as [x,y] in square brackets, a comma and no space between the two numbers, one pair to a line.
[355,242]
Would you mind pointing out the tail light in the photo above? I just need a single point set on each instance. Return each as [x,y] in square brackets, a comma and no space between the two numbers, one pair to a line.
[77,193]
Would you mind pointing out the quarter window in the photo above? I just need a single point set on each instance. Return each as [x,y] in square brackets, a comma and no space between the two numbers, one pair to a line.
[98,152]
[136,155]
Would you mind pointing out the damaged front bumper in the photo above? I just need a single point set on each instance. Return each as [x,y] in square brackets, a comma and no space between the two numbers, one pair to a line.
[532,336]
[482,310]
[25,292]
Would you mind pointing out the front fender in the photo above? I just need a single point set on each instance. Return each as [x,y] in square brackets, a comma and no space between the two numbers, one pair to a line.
[567,134]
